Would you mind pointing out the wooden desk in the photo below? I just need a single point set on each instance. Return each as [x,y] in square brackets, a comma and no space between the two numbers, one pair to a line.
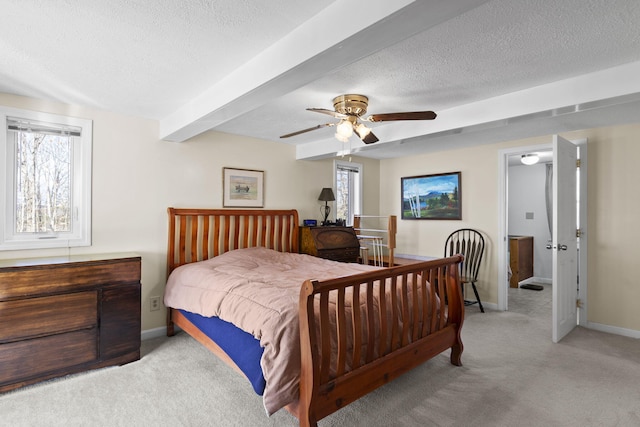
[330,242]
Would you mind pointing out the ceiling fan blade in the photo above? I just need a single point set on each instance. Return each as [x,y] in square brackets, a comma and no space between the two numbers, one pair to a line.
[329,112]
[307,130]
[415,115]
[366,137]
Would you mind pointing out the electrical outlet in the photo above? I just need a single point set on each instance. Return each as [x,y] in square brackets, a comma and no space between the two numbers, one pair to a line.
[154,303]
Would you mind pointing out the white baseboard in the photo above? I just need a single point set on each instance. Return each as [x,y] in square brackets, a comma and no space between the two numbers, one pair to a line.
[539,280]
[153,333]
[489,305]
[416,257]
[632,333]
[156,332]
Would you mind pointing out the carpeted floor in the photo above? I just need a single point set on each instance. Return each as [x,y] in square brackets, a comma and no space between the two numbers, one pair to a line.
[513,375]
[532,303]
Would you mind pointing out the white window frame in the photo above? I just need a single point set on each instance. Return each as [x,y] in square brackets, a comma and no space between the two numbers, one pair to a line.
[80,234]
[359,190]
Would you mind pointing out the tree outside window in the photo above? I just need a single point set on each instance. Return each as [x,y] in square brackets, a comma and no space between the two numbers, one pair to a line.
[43,184]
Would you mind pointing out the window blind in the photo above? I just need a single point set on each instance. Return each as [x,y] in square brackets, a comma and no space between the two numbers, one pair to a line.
[347,168]
[23,125]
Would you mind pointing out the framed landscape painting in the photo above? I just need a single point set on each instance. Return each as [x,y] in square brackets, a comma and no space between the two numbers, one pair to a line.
[431,196]
[242,188]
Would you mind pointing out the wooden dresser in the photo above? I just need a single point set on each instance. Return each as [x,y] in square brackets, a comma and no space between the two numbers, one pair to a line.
[520,259]
[330,242]
[69,314]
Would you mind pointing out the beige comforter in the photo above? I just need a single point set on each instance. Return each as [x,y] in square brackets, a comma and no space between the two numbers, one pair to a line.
[257,289]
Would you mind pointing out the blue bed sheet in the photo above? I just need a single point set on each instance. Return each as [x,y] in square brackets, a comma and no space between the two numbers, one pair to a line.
[243,348]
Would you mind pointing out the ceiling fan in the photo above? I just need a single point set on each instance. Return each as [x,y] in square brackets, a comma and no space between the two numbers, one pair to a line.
[349,109]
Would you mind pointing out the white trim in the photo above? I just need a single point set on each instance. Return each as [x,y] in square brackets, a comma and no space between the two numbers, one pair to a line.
[503,226]
[154,333]
[539,280]
[503,167]
[503,191]
[582,253]
[353,165]
[80,234]
[632,333]
[486,305]
[416,257]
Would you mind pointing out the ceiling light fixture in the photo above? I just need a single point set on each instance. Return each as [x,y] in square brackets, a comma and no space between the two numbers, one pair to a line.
[344,128]
[362,130]
[341,138]
[529,159]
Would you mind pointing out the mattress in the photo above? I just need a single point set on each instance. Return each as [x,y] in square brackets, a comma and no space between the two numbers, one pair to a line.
[239,345]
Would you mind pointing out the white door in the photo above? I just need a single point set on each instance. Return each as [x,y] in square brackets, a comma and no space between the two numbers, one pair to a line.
[564,240]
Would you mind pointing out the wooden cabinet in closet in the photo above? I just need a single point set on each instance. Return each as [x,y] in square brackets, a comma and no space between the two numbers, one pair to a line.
[520,259]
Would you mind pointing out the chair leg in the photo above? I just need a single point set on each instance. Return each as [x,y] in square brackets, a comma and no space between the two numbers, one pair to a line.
[475,291]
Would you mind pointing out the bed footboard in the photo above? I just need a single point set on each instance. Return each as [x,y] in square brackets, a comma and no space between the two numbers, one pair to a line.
[359,332]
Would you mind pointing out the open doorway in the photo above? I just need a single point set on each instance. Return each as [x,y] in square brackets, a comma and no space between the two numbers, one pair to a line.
[529,178]
[559,148]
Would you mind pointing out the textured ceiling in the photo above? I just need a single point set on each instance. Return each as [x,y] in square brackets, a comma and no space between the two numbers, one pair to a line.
[492,70]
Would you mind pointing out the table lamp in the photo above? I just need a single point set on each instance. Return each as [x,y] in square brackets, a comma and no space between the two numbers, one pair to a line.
[326,195]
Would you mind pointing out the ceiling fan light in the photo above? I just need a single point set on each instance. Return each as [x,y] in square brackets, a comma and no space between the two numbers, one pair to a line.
[362,130]
[341,138]
[529,159]
[344,128]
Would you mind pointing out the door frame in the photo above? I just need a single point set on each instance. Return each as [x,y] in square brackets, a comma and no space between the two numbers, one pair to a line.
[503,172]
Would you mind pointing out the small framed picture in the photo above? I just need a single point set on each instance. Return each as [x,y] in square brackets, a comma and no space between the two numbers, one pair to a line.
[431,196]
[242,188]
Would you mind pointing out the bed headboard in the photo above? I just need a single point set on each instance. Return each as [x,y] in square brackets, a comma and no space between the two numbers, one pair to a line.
[200,234]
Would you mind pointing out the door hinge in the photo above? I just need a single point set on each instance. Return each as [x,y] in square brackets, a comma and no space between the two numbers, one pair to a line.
[577,163]
[579,303]
[578,232]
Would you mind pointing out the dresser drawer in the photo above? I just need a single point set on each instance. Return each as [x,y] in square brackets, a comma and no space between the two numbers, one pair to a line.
[41,316]
[33,280]
[39,356]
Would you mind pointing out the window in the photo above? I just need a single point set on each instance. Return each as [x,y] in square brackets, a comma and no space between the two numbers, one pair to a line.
[45,188]
[348,177]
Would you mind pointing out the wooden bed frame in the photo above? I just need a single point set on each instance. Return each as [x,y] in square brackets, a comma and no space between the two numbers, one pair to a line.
[334,374]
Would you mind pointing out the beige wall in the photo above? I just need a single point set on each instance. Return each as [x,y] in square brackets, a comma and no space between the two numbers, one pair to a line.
[478,166]
[371,190]
[136,177]
[613,208]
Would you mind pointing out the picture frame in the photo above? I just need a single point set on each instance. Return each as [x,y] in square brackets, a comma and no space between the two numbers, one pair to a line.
[436,196]
[242,188]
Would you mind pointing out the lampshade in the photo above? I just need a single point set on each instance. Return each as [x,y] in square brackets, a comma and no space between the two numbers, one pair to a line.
[362,130]
[341,138]
[344,128]
[529,159]
[326,195]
